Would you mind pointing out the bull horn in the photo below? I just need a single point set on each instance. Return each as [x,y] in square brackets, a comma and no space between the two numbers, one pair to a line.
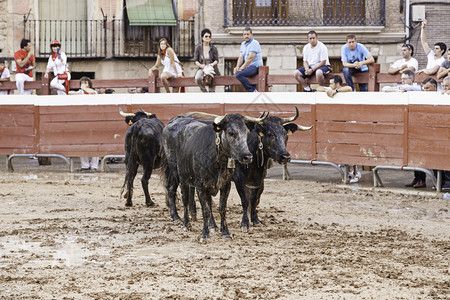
[304,128]
[219,119]
[287,120]
[125,114]
[148,114]
[200,115]
[259,120]
[264,112]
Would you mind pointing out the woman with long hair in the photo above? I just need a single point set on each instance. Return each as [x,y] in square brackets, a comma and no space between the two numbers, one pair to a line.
[172,66]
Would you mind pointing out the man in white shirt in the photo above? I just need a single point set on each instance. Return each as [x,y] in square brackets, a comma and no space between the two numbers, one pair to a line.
[407,85]
[435,56]
[406,63]
[315,61]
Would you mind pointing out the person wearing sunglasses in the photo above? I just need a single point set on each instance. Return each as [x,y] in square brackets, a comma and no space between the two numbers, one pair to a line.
[206,56]
[435,56]
[406,63]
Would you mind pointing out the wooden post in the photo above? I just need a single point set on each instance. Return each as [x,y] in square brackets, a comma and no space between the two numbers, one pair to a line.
[373,85]
[153,82]
[45,85]
[263,71]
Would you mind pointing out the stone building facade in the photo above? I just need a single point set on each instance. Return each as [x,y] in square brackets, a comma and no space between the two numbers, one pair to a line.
[282,44]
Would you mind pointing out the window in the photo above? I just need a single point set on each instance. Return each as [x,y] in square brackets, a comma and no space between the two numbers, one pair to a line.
[260,12]
[65,21]
[344,13]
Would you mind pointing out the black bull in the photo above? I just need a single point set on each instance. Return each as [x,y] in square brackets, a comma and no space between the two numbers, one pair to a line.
[266,142]
[143,147]
[197,154]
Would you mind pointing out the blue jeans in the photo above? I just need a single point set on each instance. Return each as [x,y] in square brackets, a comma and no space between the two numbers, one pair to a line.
[242,77]
[348,72]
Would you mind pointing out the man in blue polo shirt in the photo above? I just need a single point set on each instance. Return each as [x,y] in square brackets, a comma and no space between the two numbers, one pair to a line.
[355,58]
[250,59]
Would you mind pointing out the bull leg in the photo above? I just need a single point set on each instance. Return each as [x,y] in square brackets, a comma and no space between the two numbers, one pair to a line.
[224,193]
[203,198]
[186,195]
[192,206]
[240,187]
[171,187]
[144,180]
[212,222]
[255,195]
[132,168]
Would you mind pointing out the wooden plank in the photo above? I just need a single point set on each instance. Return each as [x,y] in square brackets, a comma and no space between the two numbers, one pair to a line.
[428,146]
[360,113]
[82,137]
[435,119]
[289,79]
[18,150]
[429,133]
[16,131]
[444,109]
[362,139]
[359,150]
[429,161]
[16,120]
[16,141]
[359,127]
[17,109]
[119,126]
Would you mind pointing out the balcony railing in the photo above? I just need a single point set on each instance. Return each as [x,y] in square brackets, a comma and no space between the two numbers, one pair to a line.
[304,13]
[108,38]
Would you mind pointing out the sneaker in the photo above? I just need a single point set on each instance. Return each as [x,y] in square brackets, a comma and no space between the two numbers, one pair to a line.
[354,177]
[307,89]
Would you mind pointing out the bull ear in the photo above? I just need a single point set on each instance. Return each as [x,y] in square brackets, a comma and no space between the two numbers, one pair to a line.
[250,125]
[290,128]
[216,127]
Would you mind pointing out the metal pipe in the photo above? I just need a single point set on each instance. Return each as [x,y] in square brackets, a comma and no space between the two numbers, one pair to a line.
[407,19]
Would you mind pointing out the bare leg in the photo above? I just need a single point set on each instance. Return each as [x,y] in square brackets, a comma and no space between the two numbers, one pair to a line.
[300,79]
[320,78]
[165,80]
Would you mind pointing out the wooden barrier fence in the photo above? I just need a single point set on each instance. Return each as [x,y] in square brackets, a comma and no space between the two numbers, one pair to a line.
[263,81]
[401,130]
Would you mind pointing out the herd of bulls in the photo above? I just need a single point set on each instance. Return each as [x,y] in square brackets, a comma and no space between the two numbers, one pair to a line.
[204,153]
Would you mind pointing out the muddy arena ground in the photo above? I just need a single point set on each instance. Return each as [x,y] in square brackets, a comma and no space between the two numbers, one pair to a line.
[69,236]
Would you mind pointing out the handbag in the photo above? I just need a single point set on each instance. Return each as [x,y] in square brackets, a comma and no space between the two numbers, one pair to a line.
[63,76]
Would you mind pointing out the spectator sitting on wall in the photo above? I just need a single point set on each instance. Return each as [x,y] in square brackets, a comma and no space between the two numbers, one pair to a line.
[25,63]
[250,59]
[110,91]
[206,54]
[172,66]
[5,76]
[315,62]
[408,84]
[335,87]
[355,58]
[444,70]
[406,63]
[435,57]
[57,62]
